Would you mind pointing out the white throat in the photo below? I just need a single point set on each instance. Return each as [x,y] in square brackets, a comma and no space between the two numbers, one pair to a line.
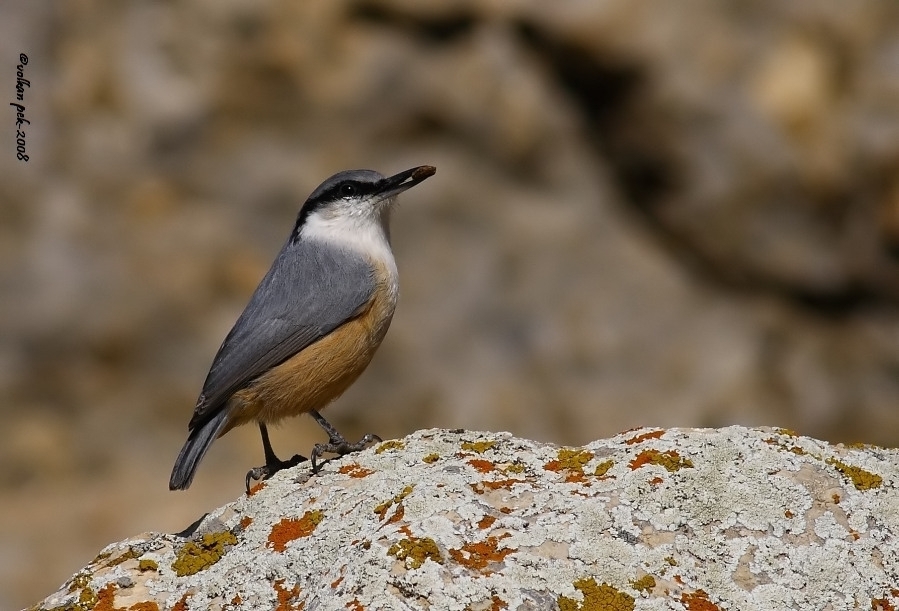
[366,231]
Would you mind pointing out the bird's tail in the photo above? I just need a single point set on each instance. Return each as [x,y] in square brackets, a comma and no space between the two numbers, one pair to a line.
[194,449]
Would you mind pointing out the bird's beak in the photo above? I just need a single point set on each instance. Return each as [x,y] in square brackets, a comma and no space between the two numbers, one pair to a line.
[398,183]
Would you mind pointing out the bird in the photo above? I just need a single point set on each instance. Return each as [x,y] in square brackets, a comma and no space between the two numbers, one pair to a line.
[312,325]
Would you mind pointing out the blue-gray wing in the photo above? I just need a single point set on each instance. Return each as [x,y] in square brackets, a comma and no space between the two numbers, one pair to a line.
[308,292]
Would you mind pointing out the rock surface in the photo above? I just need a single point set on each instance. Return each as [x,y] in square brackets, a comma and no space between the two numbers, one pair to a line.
[711,519]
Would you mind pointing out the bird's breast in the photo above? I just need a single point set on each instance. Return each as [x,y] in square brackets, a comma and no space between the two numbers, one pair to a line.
[322,371]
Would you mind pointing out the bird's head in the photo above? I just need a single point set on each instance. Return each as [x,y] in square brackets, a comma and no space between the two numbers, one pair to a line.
[354,202]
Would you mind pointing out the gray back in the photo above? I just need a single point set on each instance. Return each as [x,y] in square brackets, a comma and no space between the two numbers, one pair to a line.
[310,290]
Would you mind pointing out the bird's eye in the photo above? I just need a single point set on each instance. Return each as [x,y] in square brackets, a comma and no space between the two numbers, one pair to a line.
[347,190]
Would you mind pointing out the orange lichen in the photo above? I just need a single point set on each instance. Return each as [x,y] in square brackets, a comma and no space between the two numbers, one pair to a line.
[381,508]
[181,605]
[355,470]
[105,601]
[698,601]
[106,598]
[397,515]
[861,479]
[287,598]
[644,437]
[486,522]
[336,582]
[482,466]
[788,514]
[497,603]
[671,460]
[478,555]
[256,488]
[356,605]
[882,604]
[414,551]
[597,597]
[245,522]
[289,529]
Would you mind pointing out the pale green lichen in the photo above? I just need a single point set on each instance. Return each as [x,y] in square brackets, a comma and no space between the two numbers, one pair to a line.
[196,556]
[671,460]
[478,446]
[87,598]
[381,508]
[597,597]
[571,461]
[574,459]
[861,479]
[129,555]
[644,584]
[603,468]
[414,551]
[393,444]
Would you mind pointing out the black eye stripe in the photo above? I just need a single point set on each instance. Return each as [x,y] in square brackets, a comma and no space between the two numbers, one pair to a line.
[336,188]
[348,188]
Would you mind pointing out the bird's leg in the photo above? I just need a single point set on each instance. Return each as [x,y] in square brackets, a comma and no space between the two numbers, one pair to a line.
[336,443]
[273,464]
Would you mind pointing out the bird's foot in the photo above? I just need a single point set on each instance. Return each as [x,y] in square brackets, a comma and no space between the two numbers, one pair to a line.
[271,467]
[340,446]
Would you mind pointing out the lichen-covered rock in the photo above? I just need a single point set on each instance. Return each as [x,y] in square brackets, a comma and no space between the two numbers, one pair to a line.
[689,519]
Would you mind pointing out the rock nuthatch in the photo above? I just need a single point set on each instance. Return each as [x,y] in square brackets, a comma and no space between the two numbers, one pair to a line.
[311,327]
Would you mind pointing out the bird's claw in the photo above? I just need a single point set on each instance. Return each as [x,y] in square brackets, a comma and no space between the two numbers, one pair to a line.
[340,446]
[267,470]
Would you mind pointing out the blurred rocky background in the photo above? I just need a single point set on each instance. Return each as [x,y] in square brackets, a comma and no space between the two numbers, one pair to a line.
[645,213]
